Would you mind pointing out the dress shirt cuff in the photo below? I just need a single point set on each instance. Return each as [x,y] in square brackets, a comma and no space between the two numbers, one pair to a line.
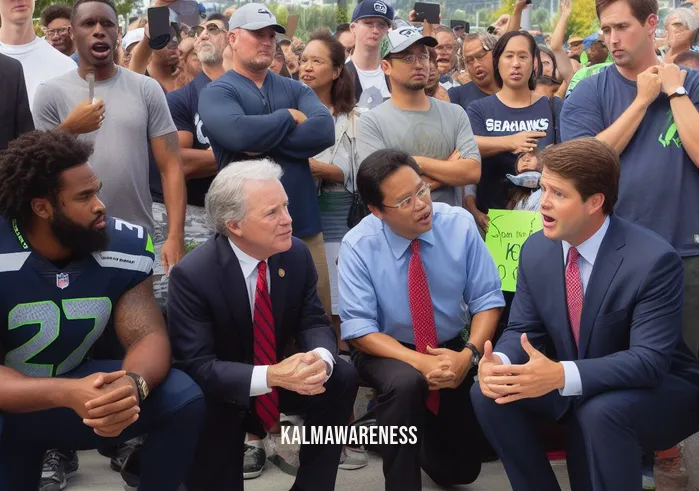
[491,300]
[470,190]
[329,360]
[258,382]
[505,359]
[573,383]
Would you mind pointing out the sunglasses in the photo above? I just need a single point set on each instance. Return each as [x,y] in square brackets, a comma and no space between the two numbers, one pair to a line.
[211,29]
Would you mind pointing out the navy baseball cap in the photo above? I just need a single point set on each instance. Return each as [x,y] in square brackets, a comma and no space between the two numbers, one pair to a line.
[373,8]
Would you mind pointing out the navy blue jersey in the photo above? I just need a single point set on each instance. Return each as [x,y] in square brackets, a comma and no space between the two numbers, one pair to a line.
[50,316]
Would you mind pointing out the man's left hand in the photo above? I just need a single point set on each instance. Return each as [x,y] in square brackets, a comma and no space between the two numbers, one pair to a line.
[313,370]
[113,412]
[671,77]
[460,365]
[536,378]
[171,253]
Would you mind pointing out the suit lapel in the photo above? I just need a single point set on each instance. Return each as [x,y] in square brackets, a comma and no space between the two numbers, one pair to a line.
[233,286]
[278,279]
[606,266]
[559,299]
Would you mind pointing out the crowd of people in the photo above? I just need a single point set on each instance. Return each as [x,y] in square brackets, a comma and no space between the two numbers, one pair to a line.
[204,242]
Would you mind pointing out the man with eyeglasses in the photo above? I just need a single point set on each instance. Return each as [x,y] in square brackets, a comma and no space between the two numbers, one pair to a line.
[411,276]
[18,40]
[371,20]
[478,57]
[55,24]
[436,133]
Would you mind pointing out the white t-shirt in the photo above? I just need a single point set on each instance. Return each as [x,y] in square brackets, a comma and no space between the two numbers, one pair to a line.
[40,62]
[374,78]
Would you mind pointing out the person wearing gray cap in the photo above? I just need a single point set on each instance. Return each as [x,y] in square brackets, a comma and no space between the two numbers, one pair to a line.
[436,133]
[251,110]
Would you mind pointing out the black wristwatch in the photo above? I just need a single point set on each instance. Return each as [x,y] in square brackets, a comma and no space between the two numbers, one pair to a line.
[141,385]
[476,354]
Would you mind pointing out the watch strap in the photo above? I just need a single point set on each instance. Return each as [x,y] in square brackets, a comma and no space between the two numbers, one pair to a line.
[476,353]
[139,389]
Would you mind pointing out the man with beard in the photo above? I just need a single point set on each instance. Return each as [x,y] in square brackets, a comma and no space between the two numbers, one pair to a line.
[436,133]
[55,24]
[72,277]
[410,275]
[250,110]
[197,157]
[129,112]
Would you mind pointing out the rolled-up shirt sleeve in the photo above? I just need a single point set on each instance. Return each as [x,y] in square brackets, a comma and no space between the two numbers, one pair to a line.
[483,288]
[358,305]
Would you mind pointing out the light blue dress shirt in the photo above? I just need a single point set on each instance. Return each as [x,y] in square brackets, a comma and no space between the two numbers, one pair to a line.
[588,254]
[373,276]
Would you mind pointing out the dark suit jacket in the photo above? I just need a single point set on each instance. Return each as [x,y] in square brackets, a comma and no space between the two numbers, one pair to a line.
[210,322]
[631,326]
[14,104]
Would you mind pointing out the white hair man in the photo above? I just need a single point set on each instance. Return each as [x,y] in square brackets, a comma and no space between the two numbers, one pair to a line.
[235,303]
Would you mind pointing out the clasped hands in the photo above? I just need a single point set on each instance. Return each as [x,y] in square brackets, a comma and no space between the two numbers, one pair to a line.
[509,383]
[303,373]
[107,402]
[444,368]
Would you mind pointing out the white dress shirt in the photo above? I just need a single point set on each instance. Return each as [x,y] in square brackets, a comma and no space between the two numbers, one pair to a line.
[248,265]
[588,254]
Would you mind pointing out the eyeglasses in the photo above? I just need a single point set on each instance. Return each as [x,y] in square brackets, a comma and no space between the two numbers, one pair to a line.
[470,60]
[211,29]
[409,202]
[410,59]
[58,31]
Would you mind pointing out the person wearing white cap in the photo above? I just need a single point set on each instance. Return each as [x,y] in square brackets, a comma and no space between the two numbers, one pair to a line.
[436,133]
[251,110]
[131,39]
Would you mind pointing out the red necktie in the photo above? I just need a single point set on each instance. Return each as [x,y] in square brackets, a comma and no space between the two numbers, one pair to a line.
[574,293]
[422,312]
[265,347]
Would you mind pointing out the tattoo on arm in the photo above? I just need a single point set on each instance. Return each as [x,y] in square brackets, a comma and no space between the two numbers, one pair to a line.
[172,142]
[137,315]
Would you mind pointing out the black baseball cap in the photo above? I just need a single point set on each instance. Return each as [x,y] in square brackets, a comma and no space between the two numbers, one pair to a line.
[373,8]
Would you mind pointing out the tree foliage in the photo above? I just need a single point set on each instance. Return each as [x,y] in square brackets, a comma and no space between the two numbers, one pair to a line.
[124,7]
[583,19]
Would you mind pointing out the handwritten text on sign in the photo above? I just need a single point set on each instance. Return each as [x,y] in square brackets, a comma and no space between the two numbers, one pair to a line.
[507,232]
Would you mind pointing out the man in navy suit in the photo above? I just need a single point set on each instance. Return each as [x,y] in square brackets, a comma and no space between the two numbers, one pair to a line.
[594,338]
[235,303]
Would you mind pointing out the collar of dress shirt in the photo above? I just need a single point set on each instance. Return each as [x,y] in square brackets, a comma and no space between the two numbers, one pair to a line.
[400,244]
[248,264]
[588,249]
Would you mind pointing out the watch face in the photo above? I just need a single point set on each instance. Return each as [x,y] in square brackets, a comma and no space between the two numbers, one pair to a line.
[681,91]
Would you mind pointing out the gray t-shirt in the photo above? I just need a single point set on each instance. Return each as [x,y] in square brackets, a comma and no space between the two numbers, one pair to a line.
[136,111]
[434,133]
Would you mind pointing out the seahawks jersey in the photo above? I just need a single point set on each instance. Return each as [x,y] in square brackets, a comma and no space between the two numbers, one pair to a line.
[49,316]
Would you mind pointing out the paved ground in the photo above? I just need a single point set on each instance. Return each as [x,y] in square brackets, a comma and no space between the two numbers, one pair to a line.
[95,475]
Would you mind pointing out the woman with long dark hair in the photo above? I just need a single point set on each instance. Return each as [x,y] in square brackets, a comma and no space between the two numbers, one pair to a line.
[335,169]
[512,121]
